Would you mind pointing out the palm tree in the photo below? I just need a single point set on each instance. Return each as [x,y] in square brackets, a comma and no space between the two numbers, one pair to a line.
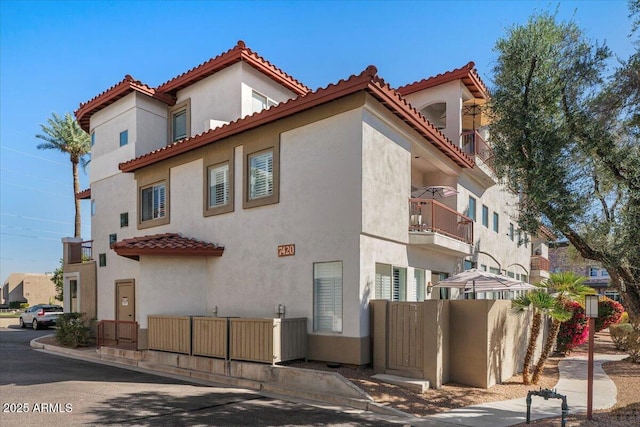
[566,286]
[540,302]
[65,134]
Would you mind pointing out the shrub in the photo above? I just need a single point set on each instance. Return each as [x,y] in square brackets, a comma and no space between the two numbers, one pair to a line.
[72,330]
[609,313]
[620,335]
[574,331]
[624,318]
[633,344]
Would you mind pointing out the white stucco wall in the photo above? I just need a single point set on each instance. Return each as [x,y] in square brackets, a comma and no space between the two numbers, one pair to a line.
[453,94]
[145,121]
[255,80]
[112,196]
[171,286]
[504,253]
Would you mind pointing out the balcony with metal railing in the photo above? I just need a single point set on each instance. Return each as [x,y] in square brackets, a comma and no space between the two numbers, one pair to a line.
[80,252]
[435,225]
[475,145]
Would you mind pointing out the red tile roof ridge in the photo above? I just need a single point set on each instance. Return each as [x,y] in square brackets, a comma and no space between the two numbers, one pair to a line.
[237,53]
[122,88]
[433,128]
[185,142]
[468,69]
[343,87]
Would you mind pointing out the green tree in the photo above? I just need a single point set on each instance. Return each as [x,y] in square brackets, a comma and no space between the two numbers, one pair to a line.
[565,286]
[58,281]
[565,137]
[65,135]
[540,303]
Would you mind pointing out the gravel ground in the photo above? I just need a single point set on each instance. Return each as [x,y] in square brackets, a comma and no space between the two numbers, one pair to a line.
[626,376]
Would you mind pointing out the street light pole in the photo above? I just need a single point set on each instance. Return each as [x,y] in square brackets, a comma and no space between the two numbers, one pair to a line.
[591,310]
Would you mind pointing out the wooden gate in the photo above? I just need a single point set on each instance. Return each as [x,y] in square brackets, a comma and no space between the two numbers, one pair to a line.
[405,346]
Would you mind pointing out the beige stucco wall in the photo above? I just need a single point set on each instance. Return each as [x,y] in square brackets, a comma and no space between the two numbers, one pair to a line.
[85,274]
[30,288]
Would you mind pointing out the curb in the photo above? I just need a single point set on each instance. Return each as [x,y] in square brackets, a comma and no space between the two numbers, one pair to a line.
[273,390]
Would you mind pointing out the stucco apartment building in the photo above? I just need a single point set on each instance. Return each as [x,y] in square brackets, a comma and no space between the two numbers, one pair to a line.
[563,257]
[235,190]
[30,288]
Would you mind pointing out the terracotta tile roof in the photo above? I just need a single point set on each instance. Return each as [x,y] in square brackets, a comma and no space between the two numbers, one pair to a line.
[114,93]
[166,91]
[168,244]
[84,194]
[240,52]
[468,74]
[367,81]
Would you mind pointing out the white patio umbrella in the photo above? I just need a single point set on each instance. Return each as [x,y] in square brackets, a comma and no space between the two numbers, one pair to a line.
[434,190]
[477,280]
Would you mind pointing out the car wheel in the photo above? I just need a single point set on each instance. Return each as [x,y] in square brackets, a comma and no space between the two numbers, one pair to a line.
[22,325]
[35,325]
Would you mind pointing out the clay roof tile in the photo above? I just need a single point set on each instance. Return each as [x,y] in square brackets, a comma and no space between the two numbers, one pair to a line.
[167,244]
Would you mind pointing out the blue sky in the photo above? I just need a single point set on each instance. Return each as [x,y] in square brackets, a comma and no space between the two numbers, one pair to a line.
[56,54]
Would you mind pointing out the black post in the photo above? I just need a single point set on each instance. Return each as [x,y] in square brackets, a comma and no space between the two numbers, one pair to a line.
[529,407]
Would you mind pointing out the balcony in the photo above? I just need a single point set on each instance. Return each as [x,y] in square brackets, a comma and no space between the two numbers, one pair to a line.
[80,252]
[436,226]
[540,267]
[474,145]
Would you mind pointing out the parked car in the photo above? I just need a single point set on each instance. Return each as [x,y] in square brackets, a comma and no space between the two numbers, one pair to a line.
[41,315]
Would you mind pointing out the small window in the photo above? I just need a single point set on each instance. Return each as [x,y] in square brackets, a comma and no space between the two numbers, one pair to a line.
[102,260]
[399,284]
[93,138]
[261,175]
[593,271]
[259,102]
[93,207]
[468,265]
[483,267]
[179,121]
[113,238]
[512,236]
[494,270]
[327,296]
[418,281]
[124,219]
[219,185]
[604,272]
[485,216]
[472,208]
[179,125]
[153,202]
[496,222]
[124,138]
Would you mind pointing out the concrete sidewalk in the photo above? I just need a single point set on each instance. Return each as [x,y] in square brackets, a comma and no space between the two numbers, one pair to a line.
[572,383]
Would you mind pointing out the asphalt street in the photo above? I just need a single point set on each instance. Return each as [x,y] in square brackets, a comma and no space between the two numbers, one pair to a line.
[39,388]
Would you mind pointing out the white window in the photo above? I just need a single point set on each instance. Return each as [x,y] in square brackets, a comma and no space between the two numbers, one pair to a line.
[261,175]
[93,207]
[383,281]
[219,185]
[391,282]
[418,284]
[327,296]
[593,271]
[153,202]
[259,102]
[179,125]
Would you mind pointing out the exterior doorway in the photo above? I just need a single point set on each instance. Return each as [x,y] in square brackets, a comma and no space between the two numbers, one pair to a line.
[125,300]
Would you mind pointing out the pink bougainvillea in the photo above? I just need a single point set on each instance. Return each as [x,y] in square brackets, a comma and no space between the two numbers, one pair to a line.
[609,313]
[574,331]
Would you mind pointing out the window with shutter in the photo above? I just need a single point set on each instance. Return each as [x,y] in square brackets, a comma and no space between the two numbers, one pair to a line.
[219,185]
[153,202]
[327,296]
[418,284]
[261,175]
[383,281]
[399,284]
